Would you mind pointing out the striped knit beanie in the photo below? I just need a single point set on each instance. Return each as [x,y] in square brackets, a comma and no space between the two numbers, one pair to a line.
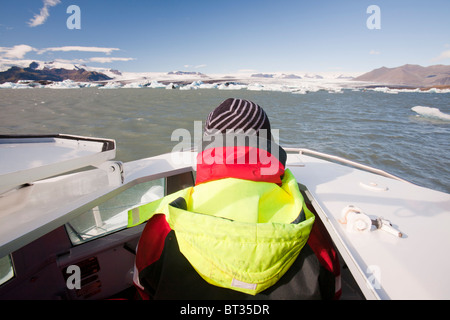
[237,116]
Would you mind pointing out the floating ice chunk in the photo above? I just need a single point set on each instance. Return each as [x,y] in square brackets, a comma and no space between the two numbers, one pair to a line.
[7,85]
[66,84]
[381,89]
[155,84]
[112,85]
[299,91]
[208,86]
[193,86]
[428,112]
[12,85]
[89,84]
[273,87]
[255,87]
[171,86]
[133,85]
[283,88]
[407,90]
[188,87]
[436,90]
[231,86]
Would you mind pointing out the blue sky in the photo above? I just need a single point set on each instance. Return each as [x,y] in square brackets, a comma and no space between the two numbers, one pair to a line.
[227,36]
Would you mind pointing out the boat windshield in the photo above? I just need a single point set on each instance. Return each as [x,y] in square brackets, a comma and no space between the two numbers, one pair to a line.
[6,269]
[112,215]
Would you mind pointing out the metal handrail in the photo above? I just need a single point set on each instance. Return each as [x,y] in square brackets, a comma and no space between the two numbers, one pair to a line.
[344,161]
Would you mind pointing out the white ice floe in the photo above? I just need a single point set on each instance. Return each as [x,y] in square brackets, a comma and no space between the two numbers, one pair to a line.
[11,85]
[89,84]
[231,86]
[255,87]
[406,90]
[156,84]
[272,87]
[142,84]
[198,85]
[112,85]
[436,90]
[208,85]
[133,85]
[66,84]
[429,112]
[171,86]
[295,83]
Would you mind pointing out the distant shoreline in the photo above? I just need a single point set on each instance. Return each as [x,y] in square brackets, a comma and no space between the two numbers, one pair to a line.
[401,87]
[230,82]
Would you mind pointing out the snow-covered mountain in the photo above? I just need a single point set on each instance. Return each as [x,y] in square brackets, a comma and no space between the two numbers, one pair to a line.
[36,73]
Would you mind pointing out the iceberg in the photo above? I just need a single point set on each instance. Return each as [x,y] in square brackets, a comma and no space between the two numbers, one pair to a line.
[231,86]
[405,90]
[156,84]
[286,88]
[255,87]
[171,86]
[299,91]
[66,84]
[112,85]
[133,85]
[387,90]
[273,82]
[436,90]
[12,85]
[187,87]
[193,86]
[89,85]
[7,85]
[208,86]
[429,112]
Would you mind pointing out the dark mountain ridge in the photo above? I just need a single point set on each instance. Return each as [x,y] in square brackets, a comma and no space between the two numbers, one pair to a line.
[15,74]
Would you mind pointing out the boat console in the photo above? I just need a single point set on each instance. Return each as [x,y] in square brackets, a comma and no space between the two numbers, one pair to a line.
[64,203]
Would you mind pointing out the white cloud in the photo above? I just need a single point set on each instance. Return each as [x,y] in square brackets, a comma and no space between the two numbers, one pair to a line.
[108,59]
[14,55]
[374,52]
[40,18]
[16,52]
[71,61]
[19,51]
[195,67]
[80,48]
[443,56]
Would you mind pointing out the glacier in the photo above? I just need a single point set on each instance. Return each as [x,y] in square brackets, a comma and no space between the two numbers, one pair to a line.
[239,81]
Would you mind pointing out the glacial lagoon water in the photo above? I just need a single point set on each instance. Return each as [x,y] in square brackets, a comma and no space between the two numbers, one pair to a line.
[386,131]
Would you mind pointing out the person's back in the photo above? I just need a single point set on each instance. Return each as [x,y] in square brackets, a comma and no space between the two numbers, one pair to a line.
[242,231]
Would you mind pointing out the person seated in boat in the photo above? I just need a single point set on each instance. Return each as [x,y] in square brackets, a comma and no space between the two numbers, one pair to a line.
[243,231]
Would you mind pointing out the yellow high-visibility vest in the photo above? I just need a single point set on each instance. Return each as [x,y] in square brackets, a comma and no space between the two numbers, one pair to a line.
[237,234]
